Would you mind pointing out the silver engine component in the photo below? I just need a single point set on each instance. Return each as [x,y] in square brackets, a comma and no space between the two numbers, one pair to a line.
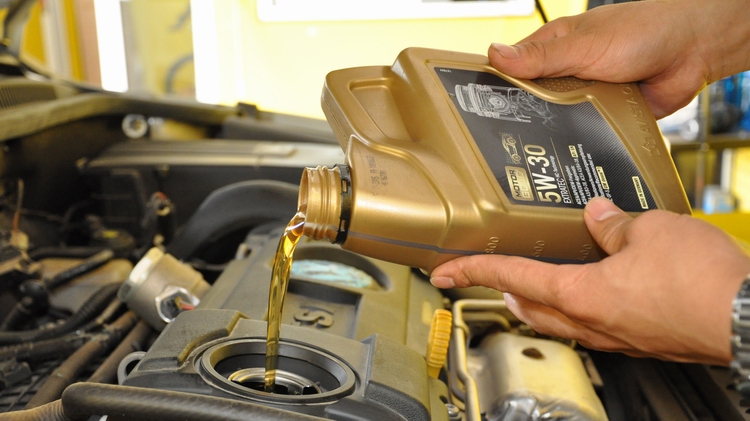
[160,287]
[523,378]
[511,377]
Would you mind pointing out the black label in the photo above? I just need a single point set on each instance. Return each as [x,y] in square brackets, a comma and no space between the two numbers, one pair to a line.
[541,153]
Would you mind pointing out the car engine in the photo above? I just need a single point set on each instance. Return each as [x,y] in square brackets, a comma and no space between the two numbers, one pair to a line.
[136,242]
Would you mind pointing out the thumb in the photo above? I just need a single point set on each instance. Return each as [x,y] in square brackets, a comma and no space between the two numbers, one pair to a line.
[536,58]
[607,224]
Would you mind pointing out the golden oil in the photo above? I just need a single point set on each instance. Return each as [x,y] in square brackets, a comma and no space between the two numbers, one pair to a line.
[282,265]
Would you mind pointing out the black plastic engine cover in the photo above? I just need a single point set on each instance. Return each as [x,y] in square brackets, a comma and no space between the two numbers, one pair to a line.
[361,347]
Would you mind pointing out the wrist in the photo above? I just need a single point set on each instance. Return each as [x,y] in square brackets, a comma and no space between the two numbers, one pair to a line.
[741,338]
[723,49]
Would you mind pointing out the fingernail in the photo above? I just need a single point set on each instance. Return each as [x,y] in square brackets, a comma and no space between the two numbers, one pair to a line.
[510,300]
[600,209]
[442,281]
[506,51]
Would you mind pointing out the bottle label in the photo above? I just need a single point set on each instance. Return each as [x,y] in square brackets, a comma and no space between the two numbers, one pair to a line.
[542,153]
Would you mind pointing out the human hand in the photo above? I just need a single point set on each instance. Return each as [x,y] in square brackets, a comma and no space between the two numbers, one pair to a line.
[665,291]
[673,47]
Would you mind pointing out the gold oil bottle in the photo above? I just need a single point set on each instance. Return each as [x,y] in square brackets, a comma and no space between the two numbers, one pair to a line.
[445,157]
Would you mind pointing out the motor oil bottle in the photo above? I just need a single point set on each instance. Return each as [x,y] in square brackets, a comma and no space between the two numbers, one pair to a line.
[447,157]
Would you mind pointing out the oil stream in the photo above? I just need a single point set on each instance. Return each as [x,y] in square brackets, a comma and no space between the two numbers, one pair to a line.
[282,265]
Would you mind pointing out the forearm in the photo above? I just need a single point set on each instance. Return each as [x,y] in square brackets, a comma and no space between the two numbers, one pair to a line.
[721,31]
[674,48]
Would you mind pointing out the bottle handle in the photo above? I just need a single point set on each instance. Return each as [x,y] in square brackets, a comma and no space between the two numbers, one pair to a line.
[359,102]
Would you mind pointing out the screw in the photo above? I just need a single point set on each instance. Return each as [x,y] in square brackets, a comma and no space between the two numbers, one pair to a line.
[454,414]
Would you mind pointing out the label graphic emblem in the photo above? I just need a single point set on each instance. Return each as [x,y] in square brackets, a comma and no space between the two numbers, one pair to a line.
[509,144]
[503,103]
[518,180]
[544,153]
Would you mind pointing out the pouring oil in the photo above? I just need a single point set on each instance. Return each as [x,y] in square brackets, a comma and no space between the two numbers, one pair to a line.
[282,264]
[316,184]
[447,157]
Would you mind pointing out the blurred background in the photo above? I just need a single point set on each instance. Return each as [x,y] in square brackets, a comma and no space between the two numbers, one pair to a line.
[274,53]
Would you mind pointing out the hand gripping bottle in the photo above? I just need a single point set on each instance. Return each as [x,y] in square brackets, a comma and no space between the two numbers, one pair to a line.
[447,157]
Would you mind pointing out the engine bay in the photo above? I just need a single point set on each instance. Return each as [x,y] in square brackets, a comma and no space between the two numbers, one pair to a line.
[136,243]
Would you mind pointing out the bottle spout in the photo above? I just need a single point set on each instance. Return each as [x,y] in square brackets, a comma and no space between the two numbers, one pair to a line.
[325,200]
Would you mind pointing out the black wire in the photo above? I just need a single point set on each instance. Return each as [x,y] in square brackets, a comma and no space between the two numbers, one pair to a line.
[50,217]
[541,10]
[91,308]
[80,269]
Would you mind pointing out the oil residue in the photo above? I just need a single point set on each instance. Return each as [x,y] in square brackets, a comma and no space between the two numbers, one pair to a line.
[282,264]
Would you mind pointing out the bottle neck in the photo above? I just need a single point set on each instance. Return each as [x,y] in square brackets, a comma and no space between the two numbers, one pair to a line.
[325,200]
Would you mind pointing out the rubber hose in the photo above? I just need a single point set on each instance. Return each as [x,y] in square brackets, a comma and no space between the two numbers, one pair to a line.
[90,309]
[52,411]
[135,341]
[82,268]
[239,205]
[64,375]
[72,367]
[114,308]
[17,315]
[81,400]
[42,350]
[64,252]
[34,302]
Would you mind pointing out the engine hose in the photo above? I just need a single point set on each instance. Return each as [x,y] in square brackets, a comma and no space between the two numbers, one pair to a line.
[52,411]
[44,350]
[135,341]
[64,252]
[81,400]
[17,315]
[82,268]
[90,309]
[72,367]
[236,206]
[34,302]
[114,308]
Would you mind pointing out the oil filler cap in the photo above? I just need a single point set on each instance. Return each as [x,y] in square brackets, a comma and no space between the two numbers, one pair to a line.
[438,341]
